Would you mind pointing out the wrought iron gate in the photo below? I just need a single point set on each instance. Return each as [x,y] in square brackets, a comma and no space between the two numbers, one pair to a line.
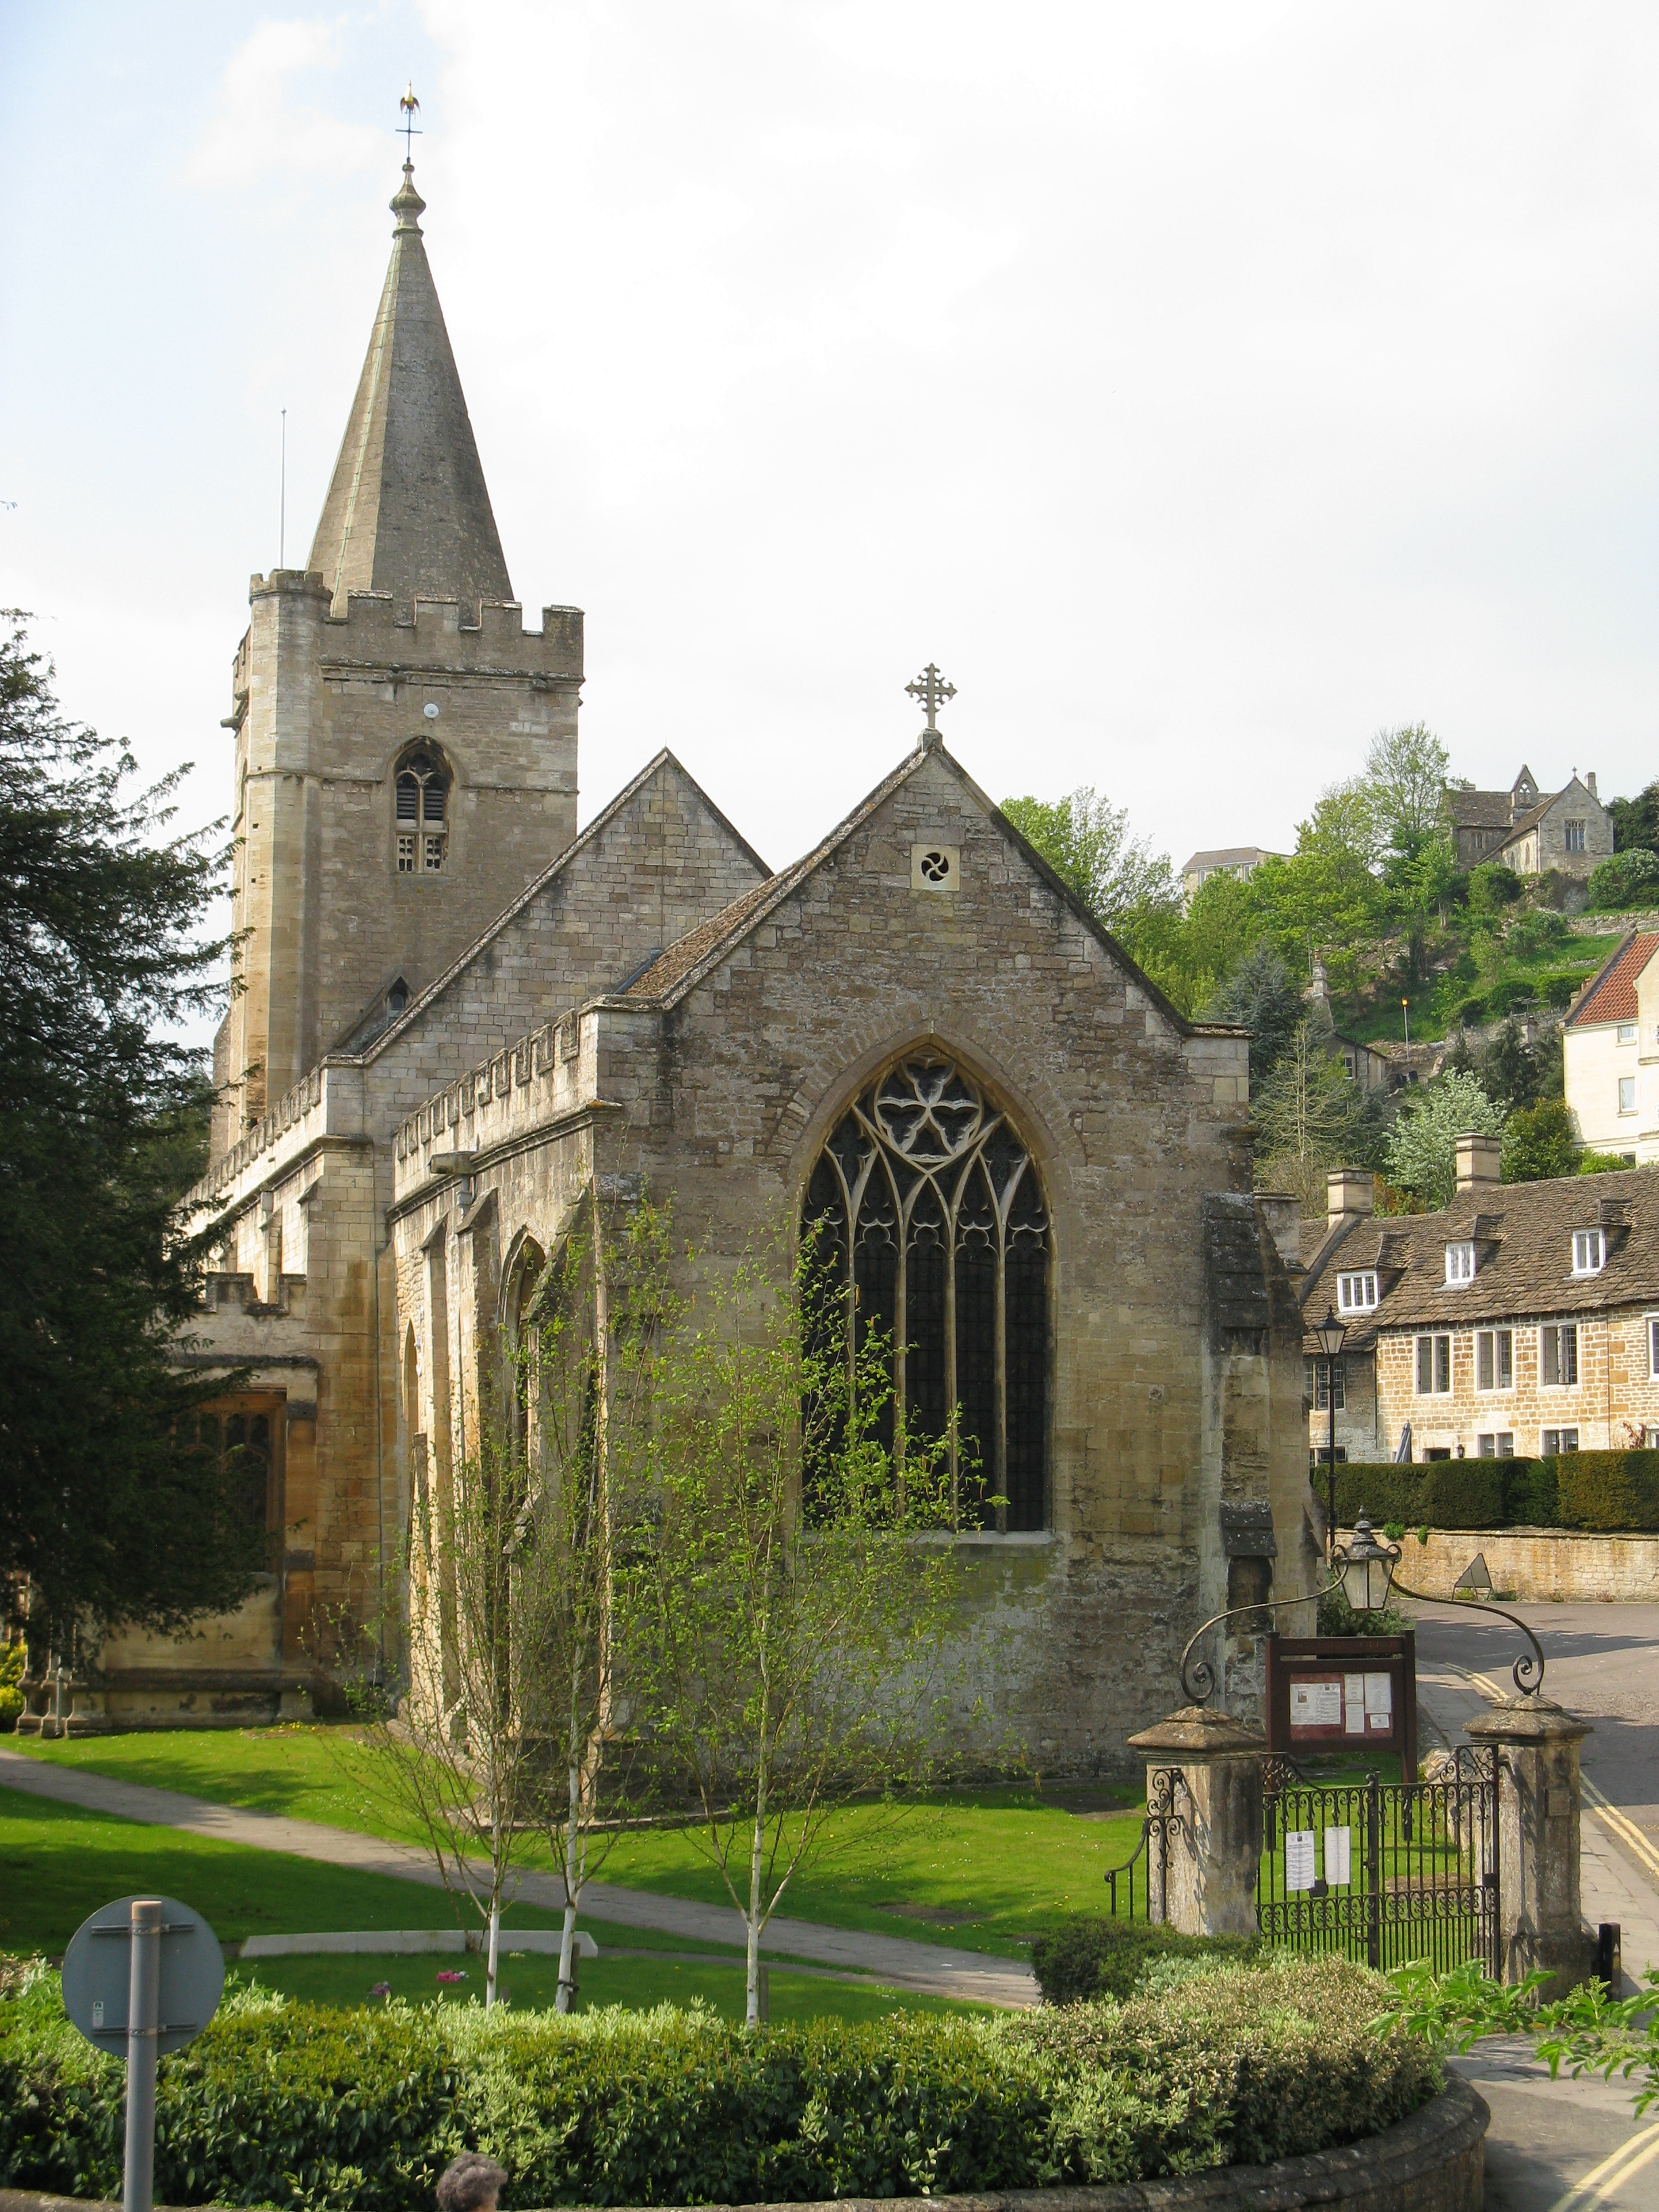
[1387,1872]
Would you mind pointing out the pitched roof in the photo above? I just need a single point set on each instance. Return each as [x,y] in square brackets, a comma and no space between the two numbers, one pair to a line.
[1482,810]
[578,846]
[1522,1235]
[689,959]
[1611,994]
[408,511]
[1231,856]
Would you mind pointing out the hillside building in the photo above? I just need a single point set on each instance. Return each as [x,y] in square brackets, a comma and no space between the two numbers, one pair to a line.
[1531,831]
[1610,1053]
[1239,861]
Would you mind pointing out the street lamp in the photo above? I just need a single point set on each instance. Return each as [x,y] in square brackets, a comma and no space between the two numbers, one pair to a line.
[1330,1336]
[1367,1569]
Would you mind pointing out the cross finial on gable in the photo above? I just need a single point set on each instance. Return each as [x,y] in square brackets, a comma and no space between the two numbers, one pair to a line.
[931,688]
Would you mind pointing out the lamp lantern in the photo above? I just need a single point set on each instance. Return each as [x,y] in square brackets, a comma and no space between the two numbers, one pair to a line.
[1367,1569]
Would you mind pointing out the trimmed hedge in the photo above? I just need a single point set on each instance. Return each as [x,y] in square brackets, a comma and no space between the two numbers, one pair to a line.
[1091,1955]
[294,2105]
[1592,1491]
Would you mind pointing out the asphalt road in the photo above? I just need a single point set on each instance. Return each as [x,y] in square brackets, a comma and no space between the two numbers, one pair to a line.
[1570,2146]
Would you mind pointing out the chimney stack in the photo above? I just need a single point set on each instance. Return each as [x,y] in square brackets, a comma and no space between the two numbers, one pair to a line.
[1349,1193]
[1479,1164]
[1590,786]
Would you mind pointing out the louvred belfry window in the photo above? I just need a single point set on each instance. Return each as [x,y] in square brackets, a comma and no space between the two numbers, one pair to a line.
[421,811]
[931,1222]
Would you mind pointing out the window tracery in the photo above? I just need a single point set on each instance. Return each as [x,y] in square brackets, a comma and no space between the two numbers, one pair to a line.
[932,1222]
[421,811]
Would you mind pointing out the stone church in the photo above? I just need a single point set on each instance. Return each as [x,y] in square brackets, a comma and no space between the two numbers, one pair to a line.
[458,1008]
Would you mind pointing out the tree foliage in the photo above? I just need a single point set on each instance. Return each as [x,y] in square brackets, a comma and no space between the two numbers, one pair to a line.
[1635,820]
[109,1506]
[1421,1152]
[785,1610]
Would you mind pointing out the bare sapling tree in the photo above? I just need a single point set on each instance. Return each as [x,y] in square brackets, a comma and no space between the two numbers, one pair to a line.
[789,1598]
[585,1359]
[454,1752]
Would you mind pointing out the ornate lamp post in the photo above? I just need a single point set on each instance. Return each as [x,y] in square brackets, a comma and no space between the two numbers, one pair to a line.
[1330,1336]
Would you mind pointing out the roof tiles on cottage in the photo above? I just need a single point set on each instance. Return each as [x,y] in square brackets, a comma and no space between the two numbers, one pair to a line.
[1611,996]
[1522,1235]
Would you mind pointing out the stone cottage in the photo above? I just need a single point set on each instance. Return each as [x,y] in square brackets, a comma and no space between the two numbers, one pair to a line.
[459,1010]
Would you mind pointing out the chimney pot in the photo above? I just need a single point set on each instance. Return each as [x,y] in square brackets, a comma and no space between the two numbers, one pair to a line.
[1349,1191]
[1590,786]
[1478,1161]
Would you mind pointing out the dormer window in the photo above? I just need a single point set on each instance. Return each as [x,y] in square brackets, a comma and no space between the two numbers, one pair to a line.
[1460,1263]
[422,814]
[1356,1293]
[1589,1251]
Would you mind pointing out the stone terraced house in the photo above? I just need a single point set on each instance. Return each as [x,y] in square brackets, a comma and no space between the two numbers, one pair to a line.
[1522,1319]
[459,1013]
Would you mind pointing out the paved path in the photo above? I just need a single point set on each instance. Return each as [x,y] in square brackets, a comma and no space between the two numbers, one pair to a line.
[934,1969]
[1601,1663]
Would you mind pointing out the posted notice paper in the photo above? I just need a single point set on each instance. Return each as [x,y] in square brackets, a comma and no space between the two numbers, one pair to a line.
[1316,1704]
[1353,1704]
[1339,1855]
[1298,1858]
[1379,1703]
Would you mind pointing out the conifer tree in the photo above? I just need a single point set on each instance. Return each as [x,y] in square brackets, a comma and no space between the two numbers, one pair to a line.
[110,1510]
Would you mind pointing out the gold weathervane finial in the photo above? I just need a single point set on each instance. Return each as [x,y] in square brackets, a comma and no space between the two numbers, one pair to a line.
[410,109]
[931,688]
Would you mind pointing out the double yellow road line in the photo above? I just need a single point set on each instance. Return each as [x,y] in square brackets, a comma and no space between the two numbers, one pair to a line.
[1598,2185]
[1638,1845]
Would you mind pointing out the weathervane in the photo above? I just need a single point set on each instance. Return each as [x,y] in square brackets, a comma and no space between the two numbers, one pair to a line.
[410,107]
[931,688]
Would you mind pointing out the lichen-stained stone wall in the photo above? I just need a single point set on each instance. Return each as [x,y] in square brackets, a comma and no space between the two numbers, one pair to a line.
[1177,1374]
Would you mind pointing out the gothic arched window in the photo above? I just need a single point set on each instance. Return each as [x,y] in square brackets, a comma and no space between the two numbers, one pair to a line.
[931,1220]
[422,809]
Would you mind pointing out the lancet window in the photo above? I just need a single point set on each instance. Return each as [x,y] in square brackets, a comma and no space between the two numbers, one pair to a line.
[932,1224]
[422,814]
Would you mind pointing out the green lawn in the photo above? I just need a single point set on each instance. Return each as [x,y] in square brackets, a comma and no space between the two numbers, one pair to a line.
[982,1868]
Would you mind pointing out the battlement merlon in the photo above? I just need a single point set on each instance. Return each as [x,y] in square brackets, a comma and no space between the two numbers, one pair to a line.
[439,634]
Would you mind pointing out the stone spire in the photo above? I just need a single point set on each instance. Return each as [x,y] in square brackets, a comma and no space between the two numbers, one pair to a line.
[408,510]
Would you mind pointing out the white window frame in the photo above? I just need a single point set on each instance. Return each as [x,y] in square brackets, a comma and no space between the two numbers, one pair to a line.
[1554,1450]
[1651,1321]
[1439,1365]
[1494,1360]
[1460,1263]
[1357,1292]
[1627,1094]
[1495,1443]
[1566,1354]
[1589,1251]
[1627,1032]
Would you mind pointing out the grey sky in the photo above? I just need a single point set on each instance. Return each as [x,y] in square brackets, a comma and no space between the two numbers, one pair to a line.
[1201,387]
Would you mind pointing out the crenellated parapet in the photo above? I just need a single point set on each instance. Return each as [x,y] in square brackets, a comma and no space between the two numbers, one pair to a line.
[372,634]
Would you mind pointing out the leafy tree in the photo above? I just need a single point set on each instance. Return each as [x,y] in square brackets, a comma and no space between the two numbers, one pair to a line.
[1406,774]
[1085,840]
[1628,878]
[1262,995]
[1540,1143]
[1421,1152]
[109,1505]
[785,1621]
[1635,820]
[482,1570]
[1492,886]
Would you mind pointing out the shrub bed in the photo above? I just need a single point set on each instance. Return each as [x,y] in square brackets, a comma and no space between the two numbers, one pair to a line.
[1090,1955]
[293,2105]
[1598,1491]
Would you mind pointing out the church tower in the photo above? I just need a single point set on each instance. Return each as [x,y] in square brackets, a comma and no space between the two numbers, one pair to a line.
[405,749]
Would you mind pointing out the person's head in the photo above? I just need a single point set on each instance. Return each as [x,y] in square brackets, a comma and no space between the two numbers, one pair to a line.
[470,2183]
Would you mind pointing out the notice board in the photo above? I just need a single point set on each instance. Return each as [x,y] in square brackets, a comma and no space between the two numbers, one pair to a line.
[1343,1694]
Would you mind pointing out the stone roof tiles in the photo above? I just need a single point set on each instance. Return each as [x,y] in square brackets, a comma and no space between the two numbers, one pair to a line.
[1611,995]
[1522,1235]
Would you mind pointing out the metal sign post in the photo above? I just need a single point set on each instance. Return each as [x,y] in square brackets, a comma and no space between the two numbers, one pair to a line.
[143,1975]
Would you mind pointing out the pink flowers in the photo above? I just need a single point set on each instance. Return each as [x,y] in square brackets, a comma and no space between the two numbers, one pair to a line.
[382,1990]
[452,1973]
